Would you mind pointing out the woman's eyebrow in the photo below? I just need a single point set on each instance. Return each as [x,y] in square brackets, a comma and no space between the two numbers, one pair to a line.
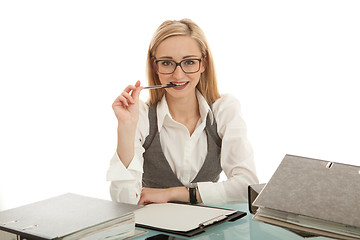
[187,56]
[166,57]
[190,56]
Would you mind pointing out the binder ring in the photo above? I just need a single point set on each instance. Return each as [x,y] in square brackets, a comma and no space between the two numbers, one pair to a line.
[29,227]
[329,165]
[10,222]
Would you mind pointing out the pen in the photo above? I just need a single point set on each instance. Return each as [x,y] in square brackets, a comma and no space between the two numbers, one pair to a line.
[160,86]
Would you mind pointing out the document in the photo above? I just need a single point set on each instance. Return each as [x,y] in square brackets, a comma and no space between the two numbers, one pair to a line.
[183,219]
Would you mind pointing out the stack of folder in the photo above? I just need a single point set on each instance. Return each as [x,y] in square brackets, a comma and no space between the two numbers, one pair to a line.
[312,196]
[70,217]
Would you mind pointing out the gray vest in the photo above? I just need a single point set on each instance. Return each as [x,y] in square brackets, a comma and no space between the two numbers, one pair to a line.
[157,171]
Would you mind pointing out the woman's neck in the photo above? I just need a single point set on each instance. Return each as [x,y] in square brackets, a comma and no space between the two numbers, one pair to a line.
[184,110]
[183,107]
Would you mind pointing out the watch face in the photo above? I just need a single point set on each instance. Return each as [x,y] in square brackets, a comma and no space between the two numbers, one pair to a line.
[193,185]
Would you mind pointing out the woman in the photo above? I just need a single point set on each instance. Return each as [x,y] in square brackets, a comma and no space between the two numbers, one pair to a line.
[174,147]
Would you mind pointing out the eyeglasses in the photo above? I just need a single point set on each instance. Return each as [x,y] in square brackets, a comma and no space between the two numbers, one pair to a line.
[169,66]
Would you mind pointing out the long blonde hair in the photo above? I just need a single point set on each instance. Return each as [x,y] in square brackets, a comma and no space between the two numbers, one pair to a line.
[185,27]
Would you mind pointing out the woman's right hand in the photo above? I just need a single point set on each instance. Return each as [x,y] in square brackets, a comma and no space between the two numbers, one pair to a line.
[126,106]
[126,109]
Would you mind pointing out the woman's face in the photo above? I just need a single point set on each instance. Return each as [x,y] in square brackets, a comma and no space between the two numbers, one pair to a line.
[179,48]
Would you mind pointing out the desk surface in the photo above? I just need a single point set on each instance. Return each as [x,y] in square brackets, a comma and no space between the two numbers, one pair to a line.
[244,228]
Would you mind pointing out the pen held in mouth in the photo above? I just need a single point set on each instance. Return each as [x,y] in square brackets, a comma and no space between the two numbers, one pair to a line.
[167,85]
[160,86]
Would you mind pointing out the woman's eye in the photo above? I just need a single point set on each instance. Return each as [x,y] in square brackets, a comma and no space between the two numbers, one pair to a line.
[189,62]
[166,63]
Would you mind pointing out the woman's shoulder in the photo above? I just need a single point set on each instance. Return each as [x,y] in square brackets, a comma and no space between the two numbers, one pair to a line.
[226,102]
[227,113]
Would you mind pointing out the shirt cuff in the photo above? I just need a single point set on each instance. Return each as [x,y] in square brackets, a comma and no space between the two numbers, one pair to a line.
[118,172]
[125,191]
[212,193]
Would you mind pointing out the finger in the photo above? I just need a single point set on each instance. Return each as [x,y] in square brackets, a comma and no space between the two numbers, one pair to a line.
[138,83]
[144,197]
[146,203]
[120,101]
[143,201]
[136,93]
[128,97]
[124,101]
[129,88]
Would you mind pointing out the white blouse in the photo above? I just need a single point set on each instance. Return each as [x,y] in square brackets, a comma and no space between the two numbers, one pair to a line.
[186,154]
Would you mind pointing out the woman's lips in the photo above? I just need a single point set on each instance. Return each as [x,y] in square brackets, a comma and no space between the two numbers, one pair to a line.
[179,85]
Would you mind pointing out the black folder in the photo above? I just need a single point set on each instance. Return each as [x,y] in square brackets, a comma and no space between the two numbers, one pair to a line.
[63,215]
[179,214]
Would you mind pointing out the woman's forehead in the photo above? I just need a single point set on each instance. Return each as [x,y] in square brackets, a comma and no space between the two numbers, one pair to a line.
[178,47]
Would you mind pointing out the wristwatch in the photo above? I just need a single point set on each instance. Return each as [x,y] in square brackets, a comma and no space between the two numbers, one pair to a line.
[192,192]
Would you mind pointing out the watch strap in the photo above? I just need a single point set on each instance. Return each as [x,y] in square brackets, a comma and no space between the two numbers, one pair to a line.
[192,195]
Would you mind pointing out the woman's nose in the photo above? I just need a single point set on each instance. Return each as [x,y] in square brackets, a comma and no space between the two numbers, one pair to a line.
[178,73]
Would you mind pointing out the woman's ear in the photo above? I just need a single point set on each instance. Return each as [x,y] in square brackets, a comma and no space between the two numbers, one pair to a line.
[153,64]
[203,64]
[155,72]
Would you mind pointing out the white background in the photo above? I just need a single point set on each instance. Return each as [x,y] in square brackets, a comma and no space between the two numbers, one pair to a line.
[294,65]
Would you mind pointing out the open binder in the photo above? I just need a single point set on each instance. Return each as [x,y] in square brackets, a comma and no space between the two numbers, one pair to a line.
[314,196]
[183,219]
[70,216]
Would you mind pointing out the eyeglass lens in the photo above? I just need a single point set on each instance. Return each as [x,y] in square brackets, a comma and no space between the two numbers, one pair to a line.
[187,65]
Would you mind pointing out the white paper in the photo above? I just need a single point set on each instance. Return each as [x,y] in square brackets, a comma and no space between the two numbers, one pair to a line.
[177,217]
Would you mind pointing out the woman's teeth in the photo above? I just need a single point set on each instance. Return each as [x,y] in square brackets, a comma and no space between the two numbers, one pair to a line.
[180,84]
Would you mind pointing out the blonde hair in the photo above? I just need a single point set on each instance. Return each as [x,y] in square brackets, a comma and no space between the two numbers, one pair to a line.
[185,27]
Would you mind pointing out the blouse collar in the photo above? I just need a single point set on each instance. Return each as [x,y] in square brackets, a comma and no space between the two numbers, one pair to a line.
[163,109]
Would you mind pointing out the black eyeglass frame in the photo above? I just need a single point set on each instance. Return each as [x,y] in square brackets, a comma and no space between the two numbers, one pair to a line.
[178,64]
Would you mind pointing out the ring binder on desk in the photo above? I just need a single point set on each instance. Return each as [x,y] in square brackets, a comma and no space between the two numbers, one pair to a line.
[314,196]
[69,217]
